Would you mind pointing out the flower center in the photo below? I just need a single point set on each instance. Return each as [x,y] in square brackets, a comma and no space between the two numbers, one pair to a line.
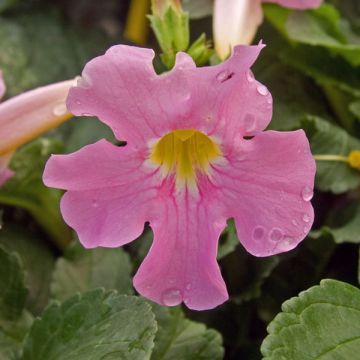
[185,152]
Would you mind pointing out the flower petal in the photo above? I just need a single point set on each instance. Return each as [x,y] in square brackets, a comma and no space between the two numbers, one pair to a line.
[235,22]
[123,90]
[226,99]
[297,4]
[108,195]
[29,114]
[95,166]
[181,264]
[2,85]
[267,187]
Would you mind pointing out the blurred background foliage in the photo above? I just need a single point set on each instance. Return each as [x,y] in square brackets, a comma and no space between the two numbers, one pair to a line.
[312,67]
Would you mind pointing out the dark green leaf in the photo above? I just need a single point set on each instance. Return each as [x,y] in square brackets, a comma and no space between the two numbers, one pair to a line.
[321,323]
[329,139]
[38,261]
[96,325]
[81,270]
[27,191]
[13,292]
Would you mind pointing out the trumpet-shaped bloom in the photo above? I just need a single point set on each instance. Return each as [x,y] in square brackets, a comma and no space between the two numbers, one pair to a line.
[186,169]
[28,115]
[236,21]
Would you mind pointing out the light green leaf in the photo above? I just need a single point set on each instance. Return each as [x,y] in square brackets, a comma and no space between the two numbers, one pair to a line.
[96,325]
[321,323]
[329,139]
[26,189]
[81,270]
[182,339]
[355,109]
[12,289]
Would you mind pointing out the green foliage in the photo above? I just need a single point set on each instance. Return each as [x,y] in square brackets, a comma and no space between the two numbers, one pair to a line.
[28,58]
[321,322]
[31,248]
[320,27]
[182,339]
[94,325]
[13,291]
[14,321]
[27,191]
[327,138]
[81,270]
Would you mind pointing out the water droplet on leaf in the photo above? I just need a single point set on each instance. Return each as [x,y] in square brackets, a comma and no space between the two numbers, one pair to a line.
[171,297]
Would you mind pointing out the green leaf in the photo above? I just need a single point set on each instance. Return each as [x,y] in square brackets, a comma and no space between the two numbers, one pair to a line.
[321,323]
[14,321]
[13,292]
[182,339]
[31,248]
[329,139]
[81,270]
[355,109]
[29,59]
[92,326]
[321,27]
[27,191]
[200,50]
[343,224]
[5,4]
[228,240]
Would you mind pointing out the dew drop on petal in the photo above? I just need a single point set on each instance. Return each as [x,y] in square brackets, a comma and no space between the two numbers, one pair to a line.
[276,234]
[306,218]
[188,286]
[307,193]
[171,297]
[77,102]
[94,204]
[224,75]
[262,90]
[250,76]
[258,233]
[60,109]
[286,244]
[294,222]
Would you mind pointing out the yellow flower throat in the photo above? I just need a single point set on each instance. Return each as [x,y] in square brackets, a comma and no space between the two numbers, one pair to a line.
[185,152]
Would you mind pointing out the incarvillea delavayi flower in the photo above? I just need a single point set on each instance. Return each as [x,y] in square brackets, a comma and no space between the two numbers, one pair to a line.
[196,155]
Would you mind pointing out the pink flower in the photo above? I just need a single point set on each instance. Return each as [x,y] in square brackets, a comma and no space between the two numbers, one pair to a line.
[186,169]
[236,21]
[28,115]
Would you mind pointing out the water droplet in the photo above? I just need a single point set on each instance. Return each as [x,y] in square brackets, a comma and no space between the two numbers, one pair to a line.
[306,218]
[95,203]
[269,100]
[86,114]
[250,122]
[306,229]
[171,297]
[286,244]
[77,102]
[307,193]
[276,234]
[294,222]
[262,90]
[188,286]
[60,109]
[258,233]
[250,76]
[224,75]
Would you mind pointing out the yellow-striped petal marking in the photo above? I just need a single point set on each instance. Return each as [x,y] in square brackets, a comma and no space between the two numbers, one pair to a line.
[185,153]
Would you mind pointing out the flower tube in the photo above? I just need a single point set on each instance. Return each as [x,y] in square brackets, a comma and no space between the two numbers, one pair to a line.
[236,21]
